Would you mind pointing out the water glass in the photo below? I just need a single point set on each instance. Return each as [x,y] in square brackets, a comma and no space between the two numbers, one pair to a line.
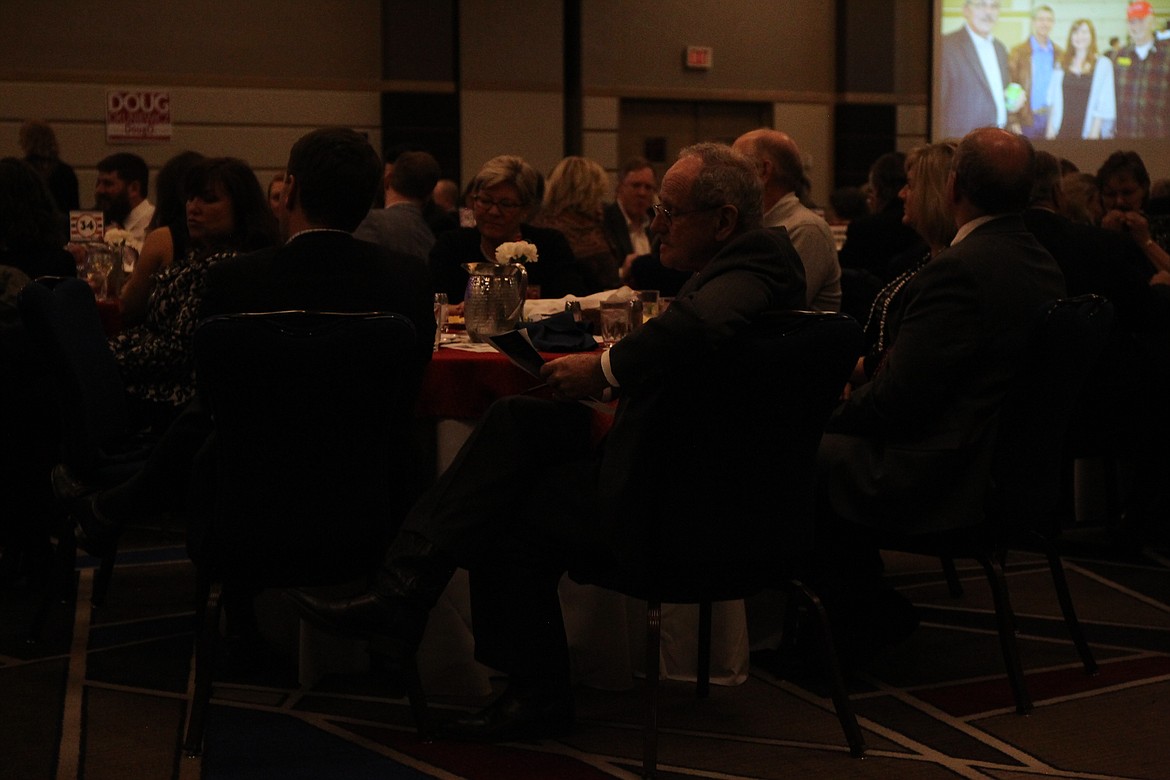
[649,299]
[615,321]
[440,318]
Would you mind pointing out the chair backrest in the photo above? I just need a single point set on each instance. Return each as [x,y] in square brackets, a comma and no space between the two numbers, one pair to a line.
[731,482]
[311,461]
[1035,418]
[61,317]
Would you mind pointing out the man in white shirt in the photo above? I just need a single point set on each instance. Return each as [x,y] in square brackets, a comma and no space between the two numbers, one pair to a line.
[120,192]
[974,72]
[627,219]
[778,160]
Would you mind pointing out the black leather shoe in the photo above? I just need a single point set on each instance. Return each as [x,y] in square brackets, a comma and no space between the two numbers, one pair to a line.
[93,531]
[67,488]
[513,718]
[365,616]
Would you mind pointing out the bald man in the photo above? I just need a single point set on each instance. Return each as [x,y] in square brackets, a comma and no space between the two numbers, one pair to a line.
[778,161]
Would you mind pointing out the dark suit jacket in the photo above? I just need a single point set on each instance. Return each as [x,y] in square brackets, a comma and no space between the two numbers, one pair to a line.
[557,271]
[618,231]
[965,97]
[664,417]
[322,271]
[910,450]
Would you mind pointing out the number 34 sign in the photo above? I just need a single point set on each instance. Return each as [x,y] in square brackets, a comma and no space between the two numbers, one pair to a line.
[138,115]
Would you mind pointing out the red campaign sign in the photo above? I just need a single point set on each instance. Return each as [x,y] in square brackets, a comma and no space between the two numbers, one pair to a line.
[138,115]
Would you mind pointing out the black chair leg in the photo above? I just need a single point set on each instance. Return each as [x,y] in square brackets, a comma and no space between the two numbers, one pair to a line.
[60,581]
[703,663]
[1060,585]
[206,652]
[841,703]
[653,651]
[1006,623]
[952,576]
[101,580]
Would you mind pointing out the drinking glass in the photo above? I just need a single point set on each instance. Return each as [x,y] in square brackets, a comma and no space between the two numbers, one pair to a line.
[649,299]
[440,318]
[615,321]
[99,262]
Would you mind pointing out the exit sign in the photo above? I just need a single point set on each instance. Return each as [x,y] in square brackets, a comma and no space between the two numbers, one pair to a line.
[700,57]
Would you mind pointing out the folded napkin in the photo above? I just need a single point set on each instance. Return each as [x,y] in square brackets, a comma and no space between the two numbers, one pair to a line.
[545,307]
[561,333]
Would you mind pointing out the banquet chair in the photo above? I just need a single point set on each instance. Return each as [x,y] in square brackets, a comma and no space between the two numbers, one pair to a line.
[304,478]
[97,443]
[1023,503]
[750,526]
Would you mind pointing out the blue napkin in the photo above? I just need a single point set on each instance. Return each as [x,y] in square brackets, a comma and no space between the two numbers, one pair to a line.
[561,333]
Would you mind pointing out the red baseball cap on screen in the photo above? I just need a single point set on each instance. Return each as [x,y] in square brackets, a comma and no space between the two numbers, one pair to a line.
[1139,10]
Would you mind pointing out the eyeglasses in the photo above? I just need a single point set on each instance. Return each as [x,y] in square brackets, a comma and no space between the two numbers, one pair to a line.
[669,214]
[486,203]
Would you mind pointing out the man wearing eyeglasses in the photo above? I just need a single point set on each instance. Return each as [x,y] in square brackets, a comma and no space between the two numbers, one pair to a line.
[528,497]
[974,73]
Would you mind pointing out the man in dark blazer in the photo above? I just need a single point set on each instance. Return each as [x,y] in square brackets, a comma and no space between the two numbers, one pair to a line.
[971,91]
[332,176]
[910,451]
[528,496]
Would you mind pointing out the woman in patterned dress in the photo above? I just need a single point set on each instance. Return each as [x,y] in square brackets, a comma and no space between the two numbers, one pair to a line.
[227,213]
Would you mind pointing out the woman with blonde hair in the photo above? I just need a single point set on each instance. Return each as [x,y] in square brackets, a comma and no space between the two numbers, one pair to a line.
[574,199]
[1081,95]
[927,210]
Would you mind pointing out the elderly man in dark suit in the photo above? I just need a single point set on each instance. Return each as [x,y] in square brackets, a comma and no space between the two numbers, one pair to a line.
[528,496]
[974,73]
[909,452]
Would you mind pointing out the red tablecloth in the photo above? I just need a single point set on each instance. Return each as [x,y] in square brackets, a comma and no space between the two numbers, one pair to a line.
[462,385]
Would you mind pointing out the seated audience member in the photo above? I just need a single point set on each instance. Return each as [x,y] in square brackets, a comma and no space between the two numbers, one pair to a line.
[399,225]
[30,224]
[1125,190]
[445,195]
[121,191]
[573,199]
[627,219]
[782,173]
[166,239]
[926,209]
[332,177]
[1081,201]
[274,188]
[227,213]
[505,193]
[875,239]
[517,543]
[39,144]
[909,451]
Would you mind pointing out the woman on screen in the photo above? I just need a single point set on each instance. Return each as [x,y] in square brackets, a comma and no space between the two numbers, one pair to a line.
[1081,91]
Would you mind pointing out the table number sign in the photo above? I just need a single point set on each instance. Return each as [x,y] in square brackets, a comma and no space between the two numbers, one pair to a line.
[86,226]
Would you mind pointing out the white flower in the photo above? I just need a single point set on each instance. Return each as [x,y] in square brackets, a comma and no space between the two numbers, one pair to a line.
[116,236]
[516,252]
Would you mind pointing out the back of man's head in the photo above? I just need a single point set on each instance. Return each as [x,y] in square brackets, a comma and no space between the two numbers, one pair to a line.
[726,177]
[129,168]
[335,174]
[1046,184]
[781,151]
[993,171]
[414,175]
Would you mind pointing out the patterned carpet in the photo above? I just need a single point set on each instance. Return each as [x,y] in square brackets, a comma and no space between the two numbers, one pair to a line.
[103,695]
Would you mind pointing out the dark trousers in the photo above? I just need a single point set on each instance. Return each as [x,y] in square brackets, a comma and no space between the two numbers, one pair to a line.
[517,509]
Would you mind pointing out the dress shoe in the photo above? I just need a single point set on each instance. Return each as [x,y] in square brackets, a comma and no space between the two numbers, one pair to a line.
[67,488]
[93,531]
[513,717]
[365,616]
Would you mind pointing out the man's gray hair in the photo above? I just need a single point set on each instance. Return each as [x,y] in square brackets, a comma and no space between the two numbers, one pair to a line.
[727,177]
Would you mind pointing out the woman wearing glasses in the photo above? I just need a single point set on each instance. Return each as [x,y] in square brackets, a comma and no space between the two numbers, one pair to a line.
[505,193]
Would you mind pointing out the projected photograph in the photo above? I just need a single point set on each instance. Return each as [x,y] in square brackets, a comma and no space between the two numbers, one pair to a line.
[1071,69]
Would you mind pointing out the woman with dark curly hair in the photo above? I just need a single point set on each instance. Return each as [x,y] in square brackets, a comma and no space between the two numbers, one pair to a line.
[227,213]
